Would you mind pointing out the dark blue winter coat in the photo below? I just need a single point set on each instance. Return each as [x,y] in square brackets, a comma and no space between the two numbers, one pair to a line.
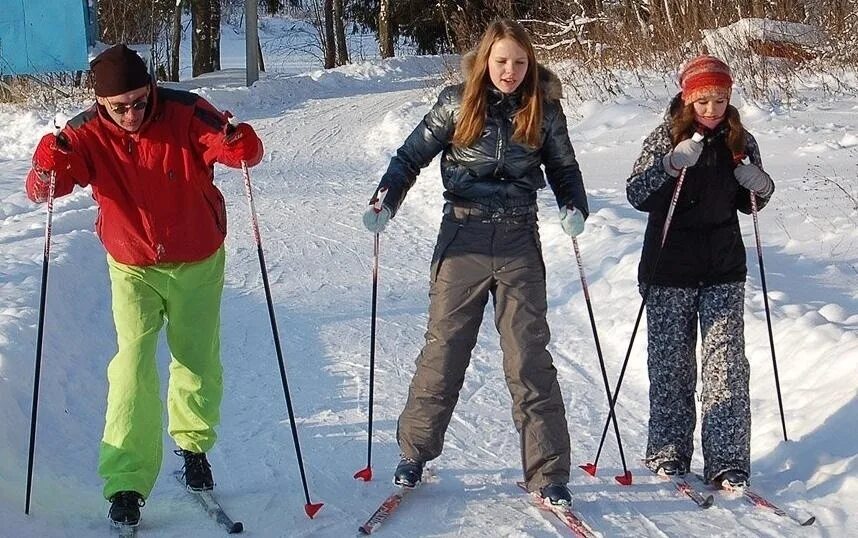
[495,171]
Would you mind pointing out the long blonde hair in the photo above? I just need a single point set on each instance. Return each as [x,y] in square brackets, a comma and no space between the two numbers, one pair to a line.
[472,115]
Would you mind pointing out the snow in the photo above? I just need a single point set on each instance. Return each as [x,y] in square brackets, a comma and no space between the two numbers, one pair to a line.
[328,137]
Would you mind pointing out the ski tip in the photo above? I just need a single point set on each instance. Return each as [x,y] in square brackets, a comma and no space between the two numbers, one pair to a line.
[625,479]
[708,501]
[589,468]
[809,522]
[237,528]
[312,508]
[363,531]
[364,474]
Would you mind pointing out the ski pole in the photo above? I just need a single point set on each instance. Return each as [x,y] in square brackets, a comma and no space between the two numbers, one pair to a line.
[626,478]
[309,508]
[697,137]
[766,303]
[41,331]
[366,473]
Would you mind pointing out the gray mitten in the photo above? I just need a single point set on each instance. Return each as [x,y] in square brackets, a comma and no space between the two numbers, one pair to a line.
[571,220]
[754,179]
[685,154]
[375,220]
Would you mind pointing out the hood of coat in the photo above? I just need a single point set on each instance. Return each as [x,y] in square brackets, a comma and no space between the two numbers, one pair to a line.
[552,88]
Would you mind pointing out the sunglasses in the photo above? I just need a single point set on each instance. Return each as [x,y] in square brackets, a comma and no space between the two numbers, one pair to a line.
[138,105]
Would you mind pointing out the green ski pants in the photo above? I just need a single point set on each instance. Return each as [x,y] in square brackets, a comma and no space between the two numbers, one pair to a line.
[187,296]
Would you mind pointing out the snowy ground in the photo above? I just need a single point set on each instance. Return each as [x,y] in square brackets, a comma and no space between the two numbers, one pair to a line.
[328,137]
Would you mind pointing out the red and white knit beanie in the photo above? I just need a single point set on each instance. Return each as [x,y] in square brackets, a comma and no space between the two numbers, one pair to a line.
[705,76]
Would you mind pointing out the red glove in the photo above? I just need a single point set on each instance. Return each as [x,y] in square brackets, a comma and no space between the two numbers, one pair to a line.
[241,144]
[52,154]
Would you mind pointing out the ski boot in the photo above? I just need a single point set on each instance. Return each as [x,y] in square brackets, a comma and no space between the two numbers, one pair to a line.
[125,508]
[408,473]
[196,471]
[731,479]
[556,494]
[671,468]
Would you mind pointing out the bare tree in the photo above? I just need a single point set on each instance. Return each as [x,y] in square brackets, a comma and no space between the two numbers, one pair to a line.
[330,45]
[214,32]
[175,41]
[385,32]
[201,39]
[340,33]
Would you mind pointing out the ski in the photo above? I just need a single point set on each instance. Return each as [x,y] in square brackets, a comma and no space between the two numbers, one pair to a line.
[758,500]
[385,510]
[683,486]
[761,502]
[213,508]
[563,513]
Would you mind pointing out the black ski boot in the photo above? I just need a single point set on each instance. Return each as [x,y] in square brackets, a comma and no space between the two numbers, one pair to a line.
[408,473]
[196,471]
[672,468]
[557,494]
[125,508]
[731,479]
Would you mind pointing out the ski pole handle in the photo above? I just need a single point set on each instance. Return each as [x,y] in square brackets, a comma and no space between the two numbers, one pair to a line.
[379,198]
[697,136]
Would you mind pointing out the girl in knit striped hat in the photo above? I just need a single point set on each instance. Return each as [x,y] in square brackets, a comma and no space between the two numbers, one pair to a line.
[695,275]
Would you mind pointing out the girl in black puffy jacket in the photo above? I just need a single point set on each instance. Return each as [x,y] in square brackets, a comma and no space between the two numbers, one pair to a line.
[495,132]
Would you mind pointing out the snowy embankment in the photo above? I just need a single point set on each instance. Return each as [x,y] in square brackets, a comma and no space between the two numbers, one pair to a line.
[328,136]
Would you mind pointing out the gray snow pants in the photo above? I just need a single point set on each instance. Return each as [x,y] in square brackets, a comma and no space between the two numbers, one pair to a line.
[476,257]
[672,316]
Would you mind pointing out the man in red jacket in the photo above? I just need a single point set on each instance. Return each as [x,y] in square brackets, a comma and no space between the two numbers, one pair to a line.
[148,155]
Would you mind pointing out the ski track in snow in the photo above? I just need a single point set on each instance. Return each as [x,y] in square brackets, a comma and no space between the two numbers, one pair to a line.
[324,157]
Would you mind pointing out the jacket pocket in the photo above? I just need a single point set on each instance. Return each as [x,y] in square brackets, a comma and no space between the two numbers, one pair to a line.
[217,207]
[446,236]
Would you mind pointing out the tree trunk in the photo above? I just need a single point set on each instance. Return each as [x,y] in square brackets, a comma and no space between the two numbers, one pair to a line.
[633,6]
[201,43]
[259,53]
[330,44]
[385,31]
[669,17]
[215,34]
[340,33]
[175,41]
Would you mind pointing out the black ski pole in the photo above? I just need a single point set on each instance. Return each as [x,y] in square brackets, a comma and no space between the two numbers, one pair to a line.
[365,474]
[698,138]
[768,312]
[626,478]
[309,508]
[41,331]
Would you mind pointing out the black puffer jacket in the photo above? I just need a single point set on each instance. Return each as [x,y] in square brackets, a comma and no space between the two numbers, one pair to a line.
[704,243]
[495,171]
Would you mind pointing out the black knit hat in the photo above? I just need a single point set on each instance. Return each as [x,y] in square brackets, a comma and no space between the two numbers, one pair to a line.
[118,70]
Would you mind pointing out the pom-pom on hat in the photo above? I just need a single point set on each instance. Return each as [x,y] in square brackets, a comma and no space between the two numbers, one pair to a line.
[118,70]
[705,76]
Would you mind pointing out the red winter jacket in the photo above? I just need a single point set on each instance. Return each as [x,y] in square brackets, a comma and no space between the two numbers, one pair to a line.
[156,199]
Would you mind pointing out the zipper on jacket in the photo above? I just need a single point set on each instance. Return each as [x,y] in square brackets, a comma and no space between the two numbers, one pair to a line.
[499,150]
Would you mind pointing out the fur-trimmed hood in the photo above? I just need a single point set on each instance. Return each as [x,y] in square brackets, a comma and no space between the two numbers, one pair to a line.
[552,88]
